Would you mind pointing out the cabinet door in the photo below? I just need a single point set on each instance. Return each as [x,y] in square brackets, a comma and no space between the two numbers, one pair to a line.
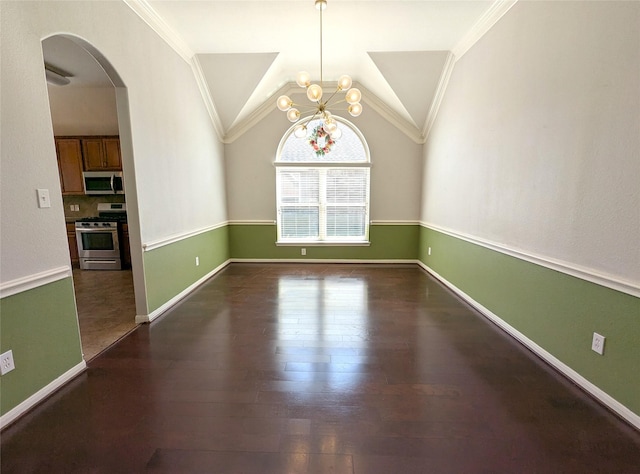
[70,165]
[112,159]
[93,154]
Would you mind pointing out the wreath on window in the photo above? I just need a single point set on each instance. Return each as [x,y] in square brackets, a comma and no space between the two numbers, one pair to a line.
[318,135]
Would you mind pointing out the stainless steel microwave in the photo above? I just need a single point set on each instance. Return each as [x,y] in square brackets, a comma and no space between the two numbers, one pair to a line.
[103,182]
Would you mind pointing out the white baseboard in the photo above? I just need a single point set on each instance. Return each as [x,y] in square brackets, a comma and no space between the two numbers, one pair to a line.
[600,395]
[320,260]
[41,394]
[143,318]
[140,319]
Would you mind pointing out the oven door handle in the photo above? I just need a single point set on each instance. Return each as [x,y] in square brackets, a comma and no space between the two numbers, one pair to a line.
[88,229]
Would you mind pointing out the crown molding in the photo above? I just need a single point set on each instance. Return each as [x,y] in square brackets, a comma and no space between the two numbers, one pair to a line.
[239,129]
[406,127]
[206,97]
[482,26]
[157,24]
[146,12]
[439,95]
[497,10]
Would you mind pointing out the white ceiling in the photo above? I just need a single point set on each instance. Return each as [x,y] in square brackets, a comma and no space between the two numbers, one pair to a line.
[74,62]
[249,51]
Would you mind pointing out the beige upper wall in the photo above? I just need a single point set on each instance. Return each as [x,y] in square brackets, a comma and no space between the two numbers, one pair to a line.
[395,172]
[536,145]
[177,158]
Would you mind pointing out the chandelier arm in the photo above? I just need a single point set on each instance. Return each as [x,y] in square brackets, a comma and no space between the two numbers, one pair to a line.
[327,104]
[305,106]
[307,109]
[310,119]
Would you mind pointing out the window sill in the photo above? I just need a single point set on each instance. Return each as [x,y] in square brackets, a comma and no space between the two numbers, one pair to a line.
[330,243]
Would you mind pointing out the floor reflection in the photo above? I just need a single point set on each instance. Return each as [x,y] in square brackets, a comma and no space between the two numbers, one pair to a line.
[319,314]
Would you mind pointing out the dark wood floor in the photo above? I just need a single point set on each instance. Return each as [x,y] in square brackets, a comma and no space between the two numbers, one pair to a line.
[319,368]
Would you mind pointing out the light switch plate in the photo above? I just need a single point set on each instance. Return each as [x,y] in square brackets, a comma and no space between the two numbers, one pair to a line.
[43,198]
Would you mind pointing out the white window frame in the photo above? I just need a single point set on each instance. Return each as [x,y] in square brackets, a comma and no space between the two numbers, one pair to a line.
[323,168]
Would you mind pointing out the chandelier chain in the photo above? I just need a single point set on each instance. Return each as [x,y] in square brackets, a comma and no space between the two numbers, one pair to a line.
[321,83]
[320,108]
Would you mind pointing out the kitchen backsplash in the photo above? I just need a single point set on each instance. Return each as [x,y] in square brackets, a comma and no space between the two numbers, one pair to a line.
[88,205]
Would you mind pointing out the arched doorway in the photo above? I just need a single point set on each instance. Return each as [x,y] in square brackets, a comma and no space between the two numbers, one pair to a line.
[90,109]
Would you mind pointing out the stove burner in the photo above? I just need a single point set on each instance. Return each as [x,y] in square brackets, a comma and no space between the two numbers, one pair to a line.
[101,219]
[106,217]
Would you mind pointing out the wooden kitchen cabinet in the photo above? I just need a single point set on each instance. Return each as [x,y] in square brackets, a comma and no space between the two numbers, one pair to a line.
[69,153]
[73,244]
[101,154]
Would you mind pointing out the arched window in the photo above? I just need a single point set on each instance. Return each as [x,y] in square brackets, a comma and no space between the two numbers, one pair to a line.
[323,186]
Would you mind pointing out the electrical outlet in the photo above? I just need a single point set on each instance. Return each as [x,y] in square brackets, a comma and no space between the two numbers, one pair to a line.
[197,261]
[597,344]
[6,362]
[303,251]
[429,251]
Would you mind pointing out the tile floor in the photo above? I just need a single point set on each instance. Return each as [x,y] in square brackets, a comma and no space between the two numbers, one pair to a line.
[106,307]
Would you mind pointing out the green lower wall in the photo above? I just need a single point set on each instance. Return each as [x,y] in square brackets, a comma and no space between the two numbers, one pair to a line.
[40,326]
[558,312]
[171,269]
[388,242]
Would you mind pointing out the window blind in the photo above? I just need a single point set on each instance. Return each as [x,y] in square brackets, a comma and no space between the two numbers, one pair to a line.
[323,199]
[346,202]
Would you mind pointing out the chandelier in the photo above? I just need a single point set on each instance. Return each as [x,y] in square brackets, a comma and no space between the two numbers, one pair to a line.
[320,108]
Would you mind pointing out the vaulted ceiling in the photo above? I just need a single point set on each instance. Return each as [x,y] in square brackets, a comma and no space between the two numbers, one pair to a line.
[245,53]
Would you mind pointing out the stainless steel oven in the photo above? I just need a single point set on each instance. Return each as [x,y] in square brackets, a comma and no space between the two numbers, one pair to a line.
[98,245]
